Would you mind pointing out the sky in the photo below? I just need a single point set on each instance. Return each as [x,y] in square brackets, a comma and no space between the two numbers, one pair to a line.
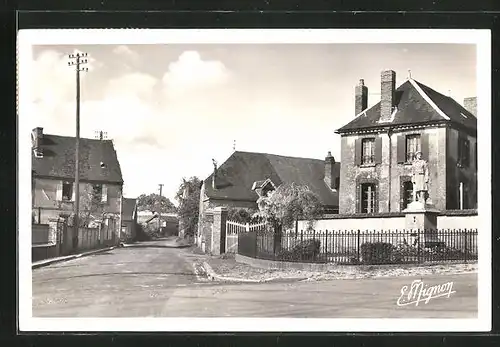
[171,108]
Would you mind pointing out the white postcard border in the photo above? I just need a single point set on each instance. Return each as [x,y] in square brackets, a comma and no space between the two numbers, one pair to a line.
[29,38]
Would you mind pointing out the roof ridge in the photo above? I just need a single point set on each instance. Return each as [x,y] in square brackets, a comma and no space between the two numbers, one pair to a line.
[81,138]
[427,98]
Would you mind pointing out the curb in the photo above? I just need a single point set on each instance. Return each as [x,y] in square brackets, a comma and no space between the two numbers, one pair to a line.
[69,257]
[212,275]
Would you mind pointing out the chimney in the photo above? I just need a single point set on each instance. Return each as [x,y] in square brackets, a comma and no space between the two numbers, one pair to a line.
[361,97]
[470,105]
[329,171]
[214,176]
[388,89]
[36,140]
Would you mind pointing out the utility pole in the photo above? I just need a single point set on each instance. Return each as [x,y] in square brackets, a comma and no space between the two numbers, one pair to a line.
[159,210]
[77,60]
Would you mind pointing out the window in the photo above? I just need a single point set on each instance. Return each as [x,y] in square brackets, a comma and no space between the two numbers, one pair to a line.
[463,152]
[368,151]
[412,147]
[100,192]
[407,194]
[367,198]
[67,191]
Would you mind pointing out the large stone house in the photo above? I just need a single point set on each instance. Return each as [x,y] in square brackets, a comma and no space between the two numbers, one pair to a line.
[53,180]
[379,145]
[245,176]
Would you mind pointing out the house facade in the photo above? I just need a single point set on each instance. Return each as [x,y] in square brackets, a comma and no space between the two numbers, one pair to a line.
[245,176]
[53,181]
[380,143]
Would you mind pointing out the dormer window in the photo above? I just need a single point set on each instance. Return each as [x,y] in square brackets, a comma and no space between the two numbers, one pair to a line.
[263,188]
[38,153]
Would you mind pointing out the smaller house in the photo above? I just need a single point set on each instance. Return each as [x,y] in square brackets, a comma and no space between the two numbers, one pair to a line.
[245,176]
[169,221]
[129,218]
[53,181]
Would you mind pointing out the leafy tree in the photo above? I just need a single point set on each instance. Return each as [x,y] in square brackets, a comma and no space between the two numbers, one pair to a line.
[188,196]
[155,203]
[287,204]
[242,215]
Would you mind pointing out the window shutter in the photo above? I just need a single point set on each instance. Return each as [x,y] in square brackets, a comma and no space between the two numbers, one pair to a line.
[59,191]
[378,150]
[104,197]
[475,155]
[467,152]
[424,146]
[459,150]
[357,152]
[401,149]
[74,192]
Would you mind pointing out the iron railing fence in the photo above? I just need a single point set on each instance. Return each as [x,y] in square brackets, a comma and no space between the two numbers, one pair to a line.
[362,246]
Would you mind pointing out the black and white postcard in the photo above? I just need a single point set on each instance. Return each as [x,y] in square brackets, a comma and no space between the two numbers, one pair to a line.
[254,180]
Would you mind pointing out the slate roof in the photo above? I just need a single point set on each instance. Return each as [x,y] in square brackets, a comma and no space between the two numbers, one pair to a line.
[237,174]
[59,159]
[413,108]
[128,208]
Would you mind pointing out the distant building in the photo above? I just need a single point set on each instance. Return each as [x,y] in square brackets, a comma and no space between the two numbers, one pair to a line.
[53,179]
[379,145]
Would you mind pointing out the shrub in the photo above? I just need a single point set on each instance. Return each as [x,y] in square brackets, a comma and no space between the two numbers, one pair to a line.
[377,253]
[306,250]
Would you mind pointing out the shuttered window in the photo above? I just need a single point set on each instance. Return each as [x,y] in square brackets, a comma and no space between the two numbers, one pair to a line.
[104,196]
[409,145]
[67,191]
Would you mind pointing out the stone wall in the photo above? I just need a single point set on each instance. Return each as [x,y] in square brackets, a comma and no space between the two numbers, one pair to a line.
[388,177]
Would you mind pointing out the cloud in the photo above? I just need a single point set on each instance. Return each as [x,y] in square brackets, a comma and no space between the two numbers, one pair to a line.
[190,72]
[132,84]
[127,52]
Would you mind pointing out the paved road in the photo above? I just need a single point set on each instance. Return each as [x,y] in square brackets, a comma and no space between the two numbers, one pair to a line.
[155,280]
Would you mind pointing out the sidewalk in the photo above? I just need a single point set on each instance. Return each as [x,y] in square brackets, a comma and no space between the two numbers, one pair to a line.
[225,268]
[50,261]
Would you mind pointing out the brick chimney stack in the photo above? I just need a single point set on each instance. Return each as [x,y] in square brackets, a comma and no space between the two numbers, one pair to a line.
[36,139]
[329,172]
[470,105]
[214,176]
[388,91]
[361,97]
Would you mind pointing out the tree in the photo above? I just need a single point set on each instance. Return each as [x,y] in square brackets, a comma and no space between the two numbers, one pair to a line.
[287,204]
[188,196]
[155,203]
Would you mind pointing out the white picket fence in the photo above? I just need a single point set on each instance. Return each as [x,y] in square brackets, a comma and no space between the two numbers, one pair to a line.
[234,228]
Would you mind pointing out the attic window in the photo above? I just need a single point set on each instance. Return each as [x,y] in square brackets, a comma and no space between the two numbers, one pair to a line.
[38,153]
[463,115]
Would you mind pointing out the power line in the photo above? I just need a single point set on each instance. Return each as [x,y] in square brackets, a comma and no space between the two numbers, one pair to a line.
[77,60]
